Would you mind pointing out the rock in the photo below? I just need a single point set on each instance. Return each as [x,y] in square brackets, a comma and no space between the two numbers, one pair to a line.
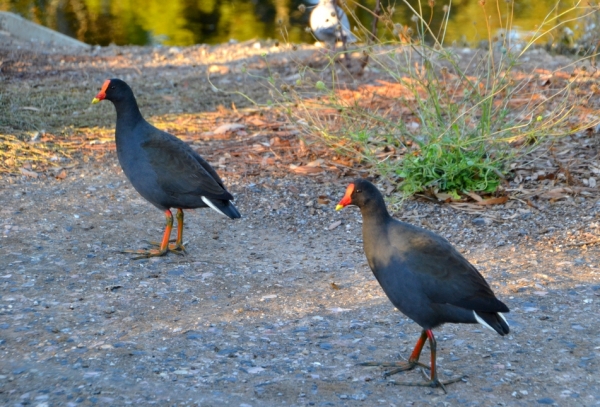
[482,221]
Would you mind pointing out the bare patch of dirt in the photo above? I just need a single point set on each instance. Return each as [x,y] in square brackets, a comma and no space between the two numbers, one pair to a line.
[278,307]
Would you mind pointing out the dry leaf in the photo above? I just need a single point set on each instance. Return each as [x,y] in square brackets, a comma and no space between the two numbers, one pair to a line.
[228,127]
[255,121]
[220,69]
[315,163]
[475,196]
[29,173]
[334,225]
[556,193]
[444,197]
[306,170]
[335,286]
[493,201]
[323,200]
[344,162]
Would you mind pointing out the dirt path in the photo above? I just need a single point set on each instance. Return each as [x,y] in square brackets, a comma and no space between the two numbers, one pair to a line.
[250,315]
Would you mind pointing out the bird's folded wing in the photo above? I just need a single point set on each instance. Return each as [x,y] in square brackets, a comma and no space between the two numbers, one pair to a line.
[448,278]
[179,170]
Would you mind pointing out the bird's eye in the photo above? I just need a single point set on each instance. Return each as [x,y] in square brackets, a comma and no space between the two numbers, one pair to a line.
[112,87]
[358,191]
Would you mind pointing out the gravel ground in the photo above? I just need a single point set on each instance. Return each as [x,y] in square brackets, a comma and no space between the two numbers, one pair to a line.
[278,307]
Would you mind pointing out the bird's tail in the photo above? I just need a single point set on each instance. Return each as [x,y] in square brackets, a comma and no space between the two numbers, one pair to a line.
[493,320]
[231,211]
[223,207]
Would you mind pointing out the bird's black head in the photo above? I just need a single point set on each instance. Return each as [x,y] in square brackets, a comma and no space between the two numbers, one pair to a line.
[114,90]
[360,193]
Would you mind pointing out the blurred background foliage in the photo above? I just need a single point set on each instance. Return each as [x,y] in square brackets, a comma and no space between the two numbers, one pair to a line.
[187,22]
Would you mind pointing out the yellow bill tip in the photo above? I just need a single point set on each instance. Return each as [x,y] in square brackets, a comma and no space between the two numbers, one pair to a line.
[95,100]
[339,207]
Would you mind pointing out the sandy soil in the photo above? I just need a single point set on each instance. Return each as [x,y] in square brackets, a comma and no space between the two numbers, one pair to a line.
[276,308]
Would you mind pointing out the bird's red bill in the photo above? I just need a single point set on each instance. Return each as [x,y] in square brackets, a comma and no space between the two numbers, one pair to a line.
[102,94]
[347,199]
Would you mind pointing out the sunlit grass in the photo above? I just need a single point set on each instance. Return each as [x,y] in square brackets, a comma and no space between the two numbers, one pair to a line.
[47,118]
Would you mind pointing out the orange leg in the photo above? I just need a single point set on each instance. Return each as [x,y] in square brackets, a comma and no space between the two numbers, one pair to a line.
[433,370]
[432,379]
[176,247]
[163,247]
[179,242]
[413,361]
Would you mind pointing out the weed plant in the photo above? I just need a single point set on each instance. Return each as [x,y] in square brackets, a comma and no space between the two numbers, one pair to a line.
[444,118]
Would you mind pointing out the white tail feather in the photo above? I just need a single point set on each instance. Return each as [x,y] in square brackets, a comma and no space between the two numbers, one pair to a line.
[502,316]
[211,205]
[482,322]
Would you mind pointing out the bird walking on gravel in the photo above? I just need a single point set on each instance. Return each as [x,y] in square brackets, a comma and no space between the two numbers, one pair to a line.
[330,24]
[423,276]
[162,168]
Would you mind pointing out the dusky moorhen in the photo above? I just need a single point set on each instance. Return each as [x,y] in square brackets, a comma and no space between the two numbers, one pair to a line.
[166,171]
[423,276]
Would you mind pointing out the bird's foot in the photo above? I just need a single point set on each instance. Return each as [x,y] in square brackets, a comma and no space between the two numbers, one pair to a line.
[397,366]
[146,254]
[435,382]
[176,247]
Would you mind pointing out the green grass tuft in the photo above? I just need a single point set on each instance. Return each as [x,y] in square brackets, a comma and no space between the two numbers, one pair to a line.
[448,168]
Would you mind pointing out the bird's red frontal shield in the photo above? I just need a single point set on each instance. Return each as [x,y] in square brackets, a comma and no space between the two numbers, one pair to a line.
[102,94]
[347,199]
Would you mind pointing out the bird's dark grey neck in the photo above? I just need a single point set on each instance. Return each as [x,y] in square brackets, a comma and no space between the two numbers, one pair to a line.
[375,210]
[128,114]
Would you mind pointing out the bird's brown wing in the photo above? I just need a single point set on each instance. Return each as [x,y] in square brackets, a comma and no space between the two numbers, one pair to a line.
[180,169]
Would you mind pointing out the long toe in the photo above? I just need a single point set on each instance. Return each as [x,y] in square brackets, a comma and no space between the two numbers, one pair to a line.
[429,383]
[397,366]
[177,248]
[145,254]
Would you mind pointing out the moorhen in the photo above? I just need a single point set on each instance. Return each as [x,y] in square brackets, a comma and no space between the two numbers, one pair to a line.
[423,276]
[162,168]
